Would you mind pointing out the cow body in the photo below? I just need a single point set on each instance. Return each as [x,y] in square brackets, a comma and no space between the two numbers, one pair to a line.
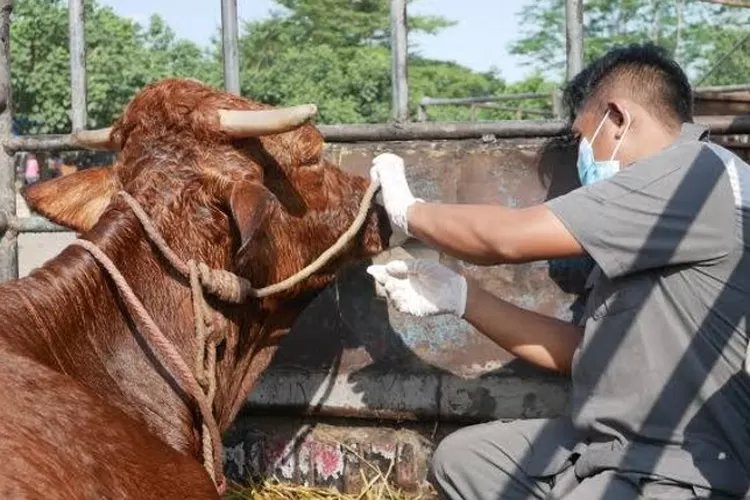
[59,439]
[87,410]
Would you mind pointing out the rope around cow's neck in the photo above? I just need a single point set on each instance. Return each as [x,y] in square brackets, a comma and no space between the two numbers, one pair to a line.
[200,383]
[171,359]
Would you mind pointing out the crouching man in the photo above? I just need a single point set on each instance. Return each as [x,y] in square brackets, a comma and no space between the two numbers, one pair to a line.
[660,397]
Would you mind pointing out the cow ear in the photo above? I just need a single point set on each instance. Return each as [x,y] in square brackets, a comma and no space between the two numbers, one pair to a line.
[249,204]
[76,200]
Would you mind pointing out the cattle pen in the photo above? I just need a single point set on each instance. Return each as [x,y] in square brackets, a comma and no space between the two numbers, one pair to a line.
[378,386]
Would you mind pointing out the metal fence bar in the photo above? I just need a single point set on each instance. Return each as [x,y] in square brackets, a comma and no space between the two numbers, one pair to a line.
[33,224]
[574,36]
[724,88]
[8,238]
[444,101]
[37,224]
[399,85]
[41,142]
[442,130]
[229,36]
[719,125]
[554,97]
[77,30]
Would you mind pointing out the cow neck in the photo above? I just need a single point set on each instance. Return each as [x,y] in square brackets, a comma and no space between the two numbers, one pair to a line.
[86,332]
[67,316]
[192,371]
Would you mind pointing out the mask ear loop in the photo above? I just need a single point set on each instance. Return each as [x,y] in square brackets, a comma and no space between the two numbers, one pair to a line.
[622,138]
[599,128]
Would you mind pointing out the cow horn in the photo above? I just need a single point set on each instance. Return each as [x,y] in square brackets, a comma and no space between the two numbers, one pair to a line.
[255,123]
[94,139]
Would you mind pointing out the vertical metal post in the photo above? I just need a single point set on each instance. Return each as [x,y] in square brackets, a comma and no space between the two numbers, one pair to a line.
[229,36]
[399,86]
[8,237]
[557,104]
[77,30]
[574,36]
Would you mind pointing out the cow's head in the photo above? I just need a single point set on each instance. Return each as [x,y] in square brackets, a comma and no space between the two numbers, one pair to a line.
[202,158]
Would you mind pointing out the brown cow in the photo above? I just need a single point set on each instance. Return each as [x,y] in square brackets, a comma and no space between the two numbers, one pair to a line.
[86,410]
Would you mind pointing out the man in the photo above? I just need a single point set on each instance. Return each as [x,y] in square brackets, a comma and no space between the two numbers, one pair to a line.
[660,399]
[31,170]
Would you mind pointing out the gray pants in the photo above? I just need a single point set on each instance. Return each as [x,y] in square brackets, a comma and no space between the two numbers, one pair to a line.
[531,459]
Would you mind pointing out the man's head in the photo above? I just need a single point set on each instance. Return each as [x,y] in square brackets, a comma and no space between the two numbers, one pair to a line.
[637,94]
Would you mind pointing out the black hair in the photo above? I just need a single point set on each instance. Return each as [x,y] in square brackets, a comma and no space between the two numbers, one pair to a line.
[646,72]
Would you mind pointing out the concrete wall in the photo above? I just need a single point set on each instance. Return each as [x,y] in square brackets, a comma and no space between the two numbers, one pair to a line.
[371,361]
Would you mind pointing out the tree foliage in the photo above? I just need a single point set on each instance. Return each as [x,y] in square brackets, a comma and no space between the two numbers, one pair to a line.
[336,53]
[122,57]
[697,34]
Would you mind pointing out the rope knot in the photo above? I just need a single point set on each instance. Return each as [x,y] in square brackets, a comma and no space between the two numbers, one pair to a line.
[223,285]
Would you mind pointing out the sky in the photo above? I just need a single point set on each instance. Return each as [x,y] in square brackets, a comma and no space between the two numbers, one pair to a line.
[479,40]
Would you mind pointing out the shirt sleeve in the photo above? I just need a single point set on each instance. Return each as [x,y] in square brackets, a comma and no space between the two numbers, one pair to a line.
[674,208]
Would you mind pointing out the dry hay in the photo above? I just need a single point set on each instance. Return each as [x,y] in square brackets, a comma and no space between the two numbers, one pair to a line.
[375,487]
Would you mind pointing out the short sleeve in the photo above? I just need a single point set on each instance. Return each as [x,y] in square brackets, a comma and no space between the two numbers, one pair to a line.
[676,207]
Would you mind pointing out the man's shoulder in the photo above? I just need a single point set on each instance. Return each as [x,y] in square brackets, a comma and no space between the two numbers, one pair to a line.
[694,159]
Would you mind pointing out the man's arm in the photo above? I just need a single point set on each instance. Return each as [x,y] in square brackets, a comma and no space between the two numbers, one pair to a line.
[424,288]
[541,340]
[483,234]
[489,234]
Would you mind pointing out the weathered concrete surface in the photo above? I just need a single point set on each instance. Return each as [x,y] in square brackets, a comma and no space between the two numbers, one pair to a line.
[371,361]
[350,355]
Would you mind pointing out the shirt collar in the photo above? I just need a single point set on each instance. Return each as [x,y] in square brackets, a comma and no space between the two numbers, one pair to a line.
[692,132]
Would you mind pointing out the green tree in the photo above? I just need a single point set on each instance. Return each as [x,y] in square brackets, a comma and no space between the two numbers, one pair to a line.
[122,57]
[338,23]
[348,84]
[336,53]
[697,34]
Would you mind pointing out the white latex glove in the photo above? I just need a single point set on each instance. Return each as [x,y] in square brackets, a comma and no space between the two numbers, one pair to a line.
[422,287]
[388,170]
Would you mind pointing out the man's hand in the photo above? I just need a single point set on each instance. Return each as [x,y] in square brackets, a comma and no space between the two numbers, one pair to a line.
[388,170]
[422,287]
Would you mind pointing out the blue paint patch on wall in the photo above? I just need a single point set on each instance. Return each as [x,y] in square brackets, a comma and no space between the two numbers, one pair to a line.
[434,333]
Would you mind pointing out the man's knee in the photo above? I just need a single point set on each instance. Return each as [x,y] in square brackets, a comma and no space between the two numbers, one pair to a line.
[492,460]
[447,456]
[480,460]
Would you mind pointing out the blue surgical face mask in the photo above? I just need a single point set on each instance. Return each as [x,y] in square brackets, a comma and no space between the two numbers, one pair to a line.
[589,169]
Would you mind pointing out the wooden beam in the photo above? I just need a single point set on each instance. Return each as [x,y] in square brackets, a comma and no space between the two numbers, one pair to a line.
[729,3]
